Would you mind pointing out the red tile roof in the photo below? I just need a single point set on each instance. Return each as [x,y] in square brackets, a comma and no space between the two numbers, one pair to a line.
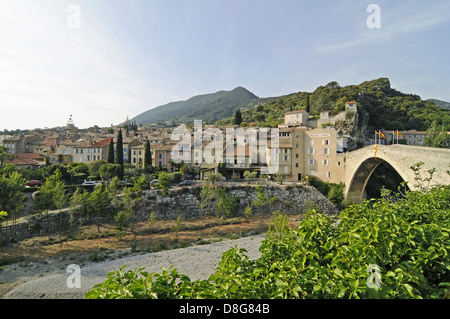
[26,159]
[102,143]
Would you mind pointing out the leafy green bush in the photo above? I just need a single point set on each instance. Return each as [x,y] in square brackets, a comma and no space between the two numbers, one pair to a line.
[379,249]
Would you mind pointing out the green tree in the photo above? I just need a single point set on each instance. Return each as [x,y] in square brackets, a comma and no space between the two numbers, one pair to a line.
[437,137]
[111,158]
[308,105]
[248,176]
[207,196]
[99,204]
[226,205]
[52,194]
[109,171]
[214,177]
[94,168]
[119,154]
[128,207]
[3,217]
[248,212]
[140,184]
[178,226]
[114,186]
[75,168]
[237,117]
[12,197]
[281,177]
[78,205]
[47,161]
[60,158]
[147,157]
[4,156]
[164,181]
[222,169]
[262,199]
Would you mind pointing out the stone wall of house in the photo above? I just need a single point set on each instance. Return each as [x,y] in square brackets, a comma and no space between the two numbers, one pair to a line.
[186,203]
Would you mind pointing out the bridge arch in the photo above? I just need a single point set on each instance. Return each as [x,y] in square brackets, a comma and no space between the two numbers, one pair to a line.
[360,164]
[362,174]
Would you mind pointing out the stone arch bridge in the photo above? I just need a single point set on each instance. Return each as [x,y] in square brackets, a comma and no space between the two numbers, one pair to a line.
[360,164]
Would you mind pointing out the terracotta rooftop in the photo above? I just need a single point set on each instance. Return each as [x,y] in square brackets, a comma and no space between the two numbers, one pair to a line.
[295,112]
[101,144]
[26,159]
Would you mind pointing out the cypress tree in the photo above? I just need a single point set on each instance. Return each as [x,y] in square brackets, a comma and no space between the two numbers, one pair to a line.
[111,152]
[237,117]
[308,107]
[119,154]
[147,156]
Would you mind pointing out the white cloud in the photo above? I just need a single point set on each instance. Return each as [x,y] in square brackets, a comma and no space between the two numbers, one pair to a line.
[406,20]
[50,71]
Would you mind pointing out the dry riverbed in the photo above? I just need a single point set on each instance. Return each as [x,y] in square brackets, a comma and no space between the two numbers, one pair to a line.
[38,267]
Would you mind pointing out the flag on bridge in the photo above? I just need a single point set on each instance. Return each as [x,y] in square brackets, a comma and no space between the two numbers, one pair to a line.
[399,134]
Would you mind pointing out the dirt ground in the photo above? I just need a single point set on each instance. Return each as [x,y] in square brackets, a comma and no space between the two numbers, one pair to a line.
[88,244]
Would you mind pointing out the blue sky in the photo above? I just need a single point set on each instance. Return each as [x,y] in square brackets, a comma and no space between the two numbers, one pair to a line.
[125,57]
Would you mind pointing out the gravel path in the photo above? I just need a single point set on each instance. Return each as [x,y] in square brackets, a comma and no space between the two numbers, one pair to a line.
[49,280]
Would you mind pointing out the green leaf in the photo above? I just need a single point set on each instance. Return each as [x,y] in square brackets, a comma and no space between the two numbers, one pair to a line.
[338,272]
[409,289]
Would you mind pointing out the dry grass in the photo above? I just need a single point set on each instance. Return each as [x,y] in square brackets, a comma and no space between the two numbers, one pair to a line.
[86,240]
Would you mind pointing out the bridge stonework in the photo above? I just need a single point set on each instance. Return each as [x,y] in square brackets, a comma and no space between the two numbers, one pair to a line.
[360,164]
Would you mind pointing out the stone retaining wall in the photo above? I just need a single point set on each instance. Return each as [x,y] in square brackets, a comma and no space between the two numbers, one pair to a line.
[186,203]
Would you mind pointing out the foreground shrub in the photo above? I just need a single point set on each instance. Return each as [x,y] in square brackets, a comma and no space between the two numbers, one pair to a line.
[379,249]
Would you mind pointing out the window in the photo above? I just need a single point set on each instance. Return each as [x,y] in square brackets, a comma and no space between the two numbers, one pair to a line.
[310,151]
[311,142]
[326,151]
[296,155]
[160,156]
[329,174]
[326,142]
[311,162]
[325,162]
[296,165]
[339,163]
[286,158]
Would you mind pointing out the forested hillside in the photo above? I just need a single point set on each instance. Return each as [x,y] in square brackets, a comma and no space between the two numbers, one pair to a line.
[440,103]
[208,107]
[386,107]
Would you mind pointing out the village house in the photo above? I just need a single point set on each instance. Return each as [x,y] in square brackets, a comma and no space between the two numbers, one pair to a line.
[98,151]
[299,118]
[137,155]
[128,144]
[351,106]
[27,161]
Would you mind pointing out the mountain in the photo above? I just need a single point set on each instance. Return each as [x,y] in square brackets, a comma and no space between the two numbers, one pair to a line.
[207,107]
[380,107]
[440,103]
